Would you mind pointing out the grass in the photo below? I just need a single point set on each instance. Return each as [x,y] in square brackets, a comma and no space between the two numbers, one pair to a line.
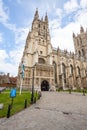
[18,102]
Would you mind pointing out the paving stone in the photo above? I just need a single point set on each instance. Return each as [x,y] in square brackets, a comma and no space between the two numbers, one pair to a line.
[54,111]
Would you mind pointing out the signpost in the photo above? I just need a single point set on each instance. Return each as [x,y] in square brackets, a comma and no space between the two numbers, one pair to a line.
[12,95]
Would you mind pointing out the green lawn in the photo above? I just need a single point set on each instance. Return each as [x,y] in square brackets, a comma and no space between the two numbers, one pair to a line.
[18,102]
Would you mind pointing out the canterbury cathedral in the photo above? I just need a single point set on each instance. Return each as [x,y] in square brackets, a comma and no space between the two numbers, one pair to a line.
[49,68]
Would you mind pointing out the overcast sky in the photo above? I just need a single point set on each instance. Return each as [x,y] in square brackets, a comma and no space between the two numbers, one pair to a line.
[16,16]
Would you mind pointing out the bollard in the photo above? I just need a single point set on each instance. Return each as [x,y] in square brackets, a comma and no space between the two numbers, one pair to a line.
[83,92]
[25,105]
[34,99]
[38,96]
[69,91]
[9,109]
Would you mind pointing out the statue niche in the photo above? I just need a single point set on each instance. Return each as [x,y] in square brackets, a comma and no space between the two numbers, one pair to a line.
[41,61]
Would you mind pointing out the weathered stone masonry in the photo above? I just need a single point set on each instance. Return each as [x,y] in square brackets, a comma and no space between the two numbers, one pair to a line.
[53,67]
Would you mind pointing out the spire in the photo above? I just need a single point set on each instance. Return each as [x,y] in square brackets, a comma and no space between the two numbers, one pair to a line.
[81,29]
[73,35]
[46,18]
[36,16]
[58,48]
[42,19]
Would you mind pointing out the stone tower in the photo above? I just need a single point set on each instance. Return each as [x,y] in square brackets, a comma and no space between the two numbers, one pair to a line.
[38,42]
[80,44]
[38,54]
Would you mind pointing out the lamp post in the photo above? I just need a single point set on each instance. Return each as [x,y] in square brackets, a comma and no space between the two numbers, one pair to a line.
[32,95]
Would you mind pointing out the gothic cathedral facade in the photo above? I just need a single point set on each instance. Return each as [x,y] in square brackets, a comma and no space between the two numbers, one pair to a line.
[49,68]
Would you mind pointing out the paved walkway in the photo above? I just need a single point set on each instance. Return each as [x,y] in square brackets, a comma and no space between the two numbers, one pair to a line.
[54,111]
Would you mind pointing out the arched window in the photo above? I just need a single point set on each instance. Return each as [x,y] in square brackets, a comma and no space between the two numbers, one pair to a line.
[71,69]
[64,71]
[55,71]
[41,61]
[39,33]
[43,41]
[80,40]
[77,42]
[43,27]
[54,63]
[78,70]
[39,25]
[64,68]
[83,52]
[79,53]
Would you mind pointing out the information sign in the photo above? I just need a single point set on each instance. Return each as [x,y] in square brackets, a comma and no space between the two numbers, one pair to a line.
[13,93]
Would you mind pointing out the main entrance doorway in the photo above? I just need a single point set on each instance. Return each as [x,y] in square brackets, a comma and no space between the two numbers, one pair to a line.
[44,85]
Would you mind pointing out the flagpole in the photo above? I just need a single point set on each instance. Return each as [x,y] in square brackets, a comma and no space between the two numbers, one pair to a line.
[21,86]
[22,76]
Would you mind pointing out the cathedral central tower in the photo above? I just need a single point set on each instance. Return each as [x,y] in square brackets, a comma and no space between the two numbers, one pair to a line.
[38,54]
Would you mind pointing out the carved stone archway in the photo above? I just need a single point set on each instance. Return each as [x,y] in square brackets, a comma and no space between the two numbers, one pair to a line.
[44,85]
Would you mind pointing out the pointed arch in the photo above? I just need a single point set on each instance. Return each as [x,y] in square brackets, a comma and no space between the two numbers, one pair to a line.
[55,71]
[79,53]
[78,70]
[44,85]
[83,52]
[41,61]
[64,71]
[64,68]
[71,69]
